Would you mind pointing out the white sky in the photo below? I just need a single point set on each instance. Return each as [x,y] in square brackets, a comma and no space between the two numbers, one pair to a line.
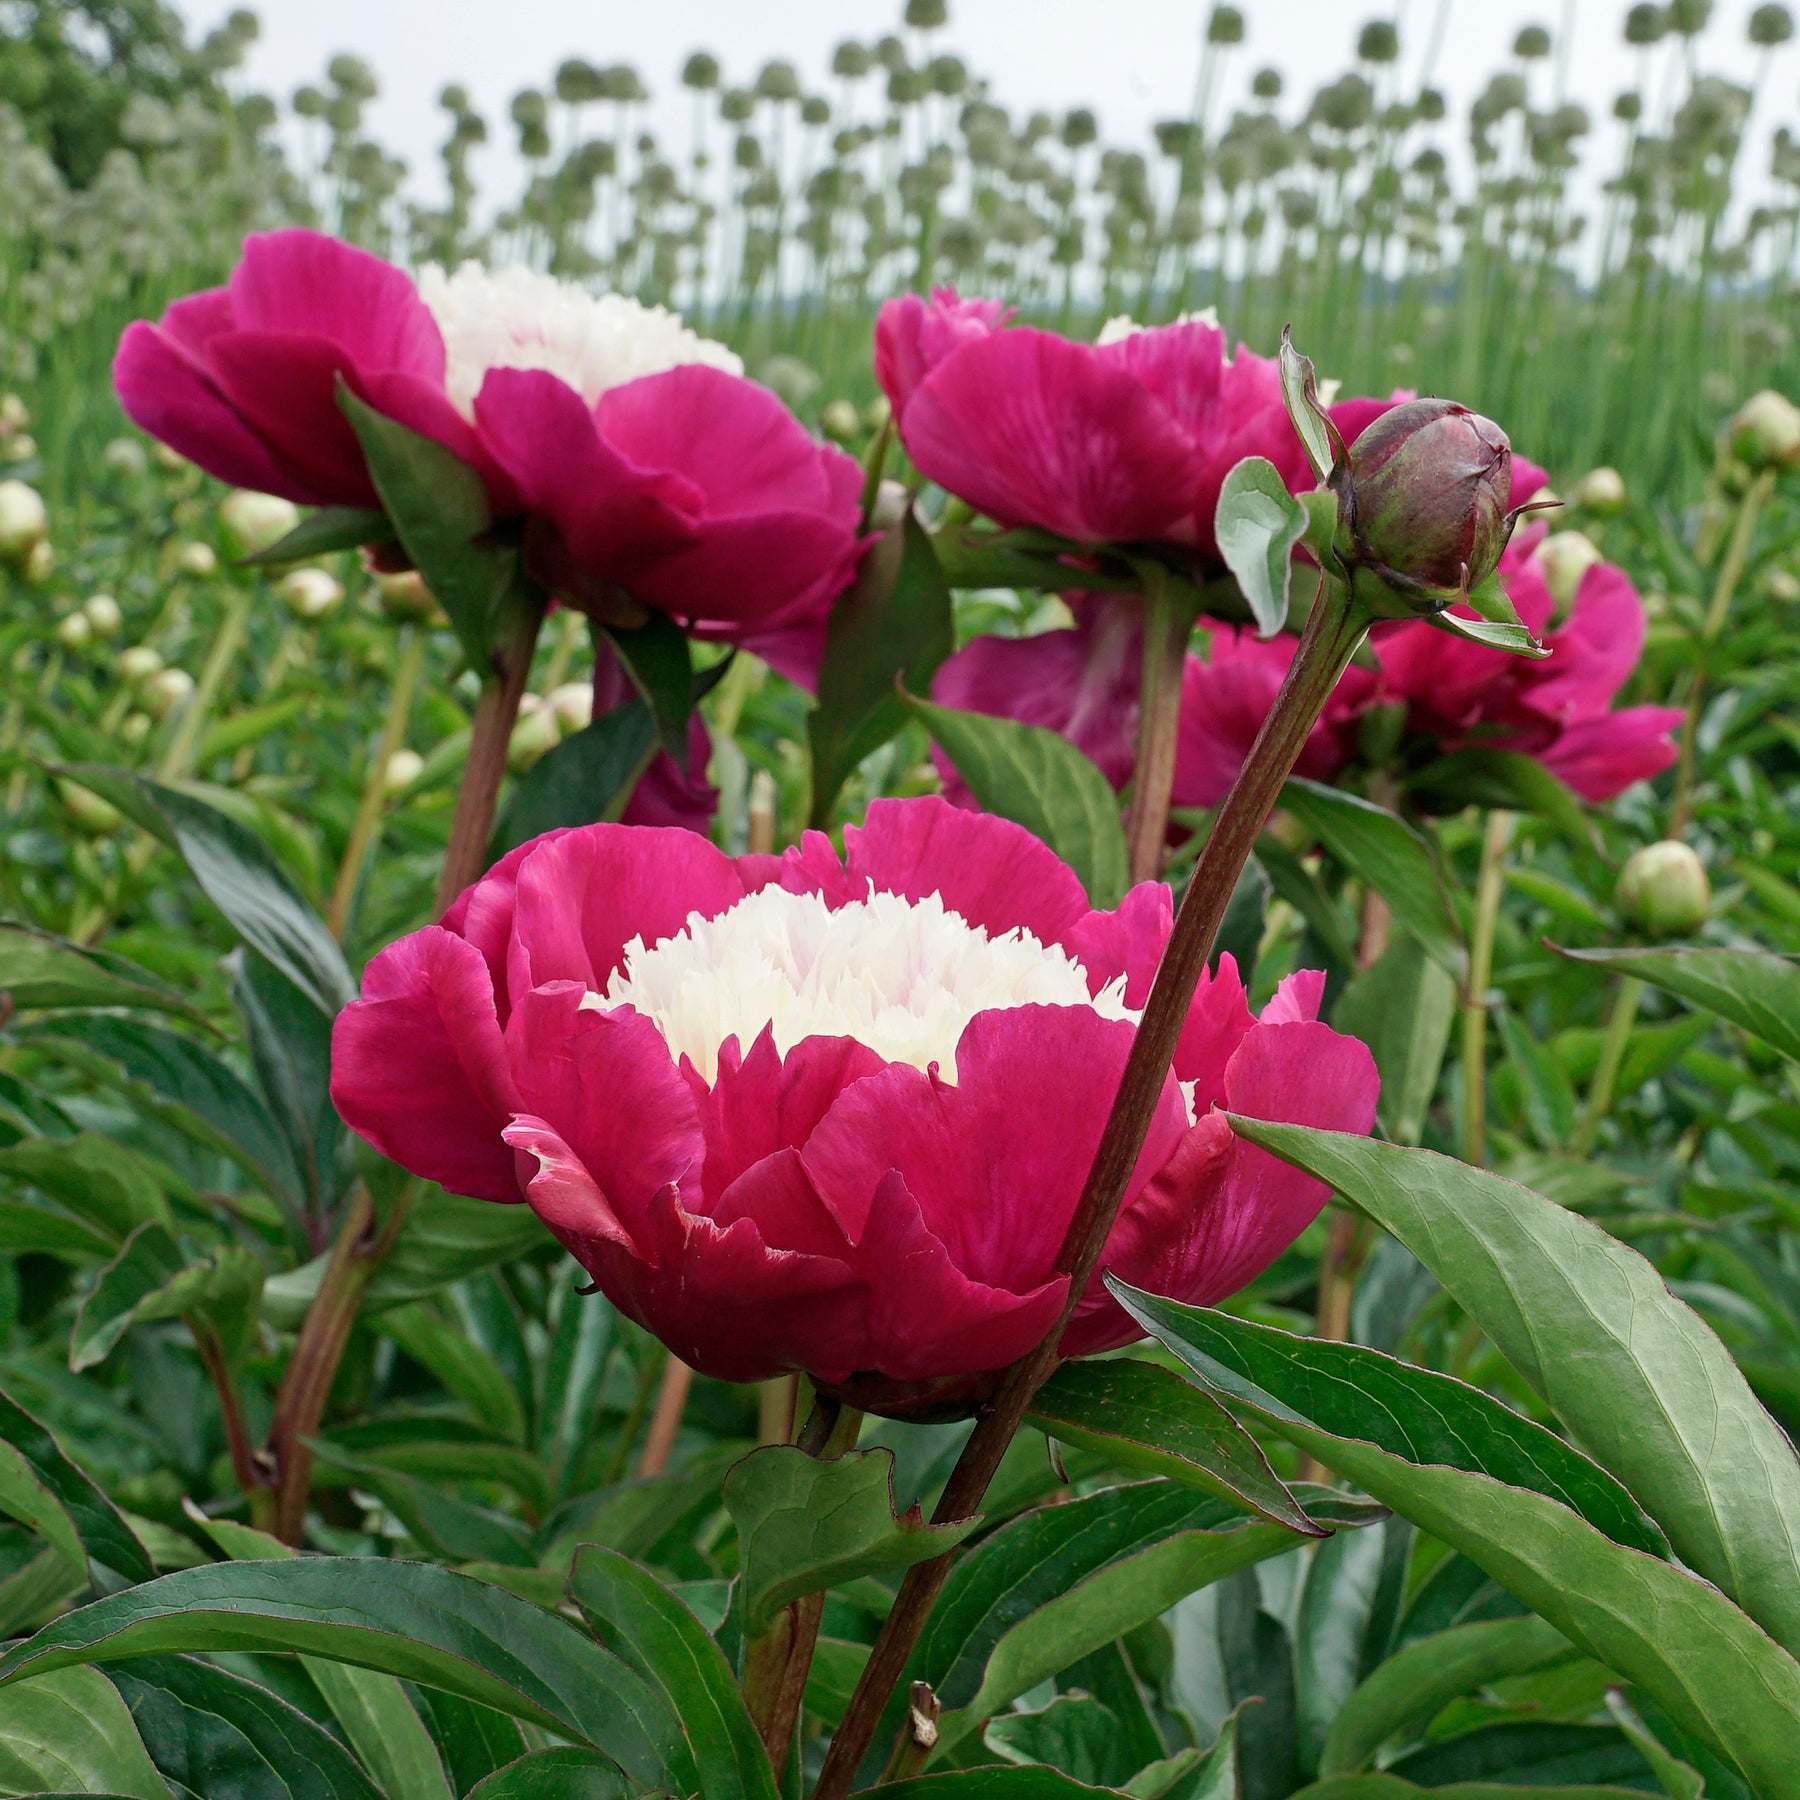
[1134,61]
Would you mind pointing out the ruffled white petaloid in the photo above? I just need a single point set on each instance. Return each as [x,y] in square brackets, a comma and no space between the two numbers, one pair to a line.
[901,976]
[516,318]
[1122,325]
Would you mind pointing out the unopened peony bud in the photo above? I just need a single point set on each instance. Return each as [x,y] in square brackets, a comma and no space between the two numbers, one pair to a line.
[573,704]
[406,597]
[310,594]
[404,767]
[166,690]
[23,521]
[255,521]
[534,734]
[126,456]
[21,447]
[135,727]
[1783,585]
[198,560]
[1428,489]
[1765,431]
[877,413]
[1600,490]
[14,414]
[1564,557]
[166,458]
[74,632]
[139,663]
[104,614]
[88,811]
[1663,891]
[841,422]
[40,565]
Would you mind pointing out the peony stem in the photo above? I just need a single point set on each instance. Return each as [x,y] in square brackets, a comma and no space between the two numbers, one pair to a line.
[178,758]
[1334,629]
[496,711]
[374,795]
[1488,887]
[665,1422]
[1612,1056]
[1168,620]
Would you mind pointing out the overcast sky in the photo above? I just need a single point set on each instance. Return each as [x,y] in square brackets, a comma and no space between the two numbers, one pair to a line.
[1134,61]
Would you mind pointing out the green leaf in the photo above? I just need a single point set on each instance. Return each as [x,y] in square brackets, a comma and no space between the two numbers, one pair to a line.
[1483,776]
[411,1620]
[1141,1416]
[1528,1752]
[587,779]
[1257,525]
[804,1525]
[102,1183]
[1074,1733]
[1394,1787]
[1515,639]
[1673,1634]
[1058,1583]
[561,1774]
[320,533]
[1638,1379]
[1547,1099]
[891,625]
[71,1732]
[640,1621]
[1750,988]
[1038,779]
[1295,883]
[445,1525]
[1413,1686]
[1300,392]
[1383,852]
[655,655]
[1337,1603]
[151,1279]
[219,1735]
[1402,1006]
[438,507]
[1033,1782]
[42,1488]
[1195,1775]
[227,736]
[38,969]
[1241,929]
[462,1365]
[474,1741]
[1680,1781]
[1409,1412]
[574,1377]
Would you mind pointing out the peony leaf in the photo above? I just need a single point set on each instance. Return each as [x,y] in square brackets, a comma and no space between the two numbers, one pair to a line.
[1402,1006]
[446,1526]
[1038,779]
[71,1731]
[107,1186]
[1300,390]
[657,658]
[39,969]
[1033,1781]
[1074,1733]
[1514,639]
[1257,525]
[1483,775]
[1637,1378]
[804,1525]
[151,1278]
[1141,1416]
[320,533]
[586,779]
[563,1773]
[893,623]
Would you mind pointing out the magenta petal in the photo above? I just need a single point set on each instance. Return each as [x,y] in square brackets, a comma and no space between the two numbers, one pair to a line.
[483,914]
[1600,758]
[419,1069]
[1034,430]
[1594,653]
[987,870]
[1128,942]
[1296,999]
[1218,1021]
[913,336]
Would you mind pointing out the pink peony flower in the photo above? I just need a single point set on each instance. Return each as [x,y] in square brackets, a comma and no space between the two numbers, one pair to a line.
[801,1113]
[243,379]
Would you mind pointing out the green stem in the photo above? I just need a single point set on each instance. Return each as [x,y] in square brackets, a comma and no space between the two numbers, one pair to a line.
[367,823]
[1488,888]
[1334,629]
[179,756]
[1606,1072]
[1167,623]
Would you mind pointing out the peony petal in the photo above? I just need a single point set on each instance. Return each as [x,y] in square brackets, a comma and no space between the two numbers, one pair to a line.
[1600,758]
[1128,942]
[1296,999]
[1218,1021]
[419,1068]
[1593,654]
[483,914]
[912,336]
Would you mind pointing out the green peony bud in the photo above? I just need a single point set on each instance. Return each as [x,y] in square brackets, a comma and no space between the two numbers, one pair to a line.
[404,767]
[198,560]
[1425,493]
[74,632]
[23,521]
[1600,490]
[1765,431]
[1563,558]
[1663,891]
[40,565]
[167,690]
[533,735]
[104,614]
[255,521]
[135,727]
[573,705]
[310,594]
[841,422]
[405,597]
[138,664]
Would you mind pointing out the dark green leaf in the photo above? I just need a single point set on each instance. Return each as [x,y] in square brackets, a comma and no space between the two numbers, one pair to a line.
[1074,1733]
[656,657]
[1038,779]
[104,1184]
[1402,1006]
[1547,1099]
[1257,524]
[1637,1377]
[1032,1782]
[1337,1600]
[804,1525]
[586,779]
[443,1524]
[1295,884]
[320,533]
[1385,853]
[27,1229]
[412,1620]
[461,1364]
[1241,930]
[562,1774]
[641,1622]
[574,1378]
[221,1736]
[474,1741]
[1750,988]
[1195,1775]
[1680,1781]
[1141,1416]
[1530,1752]
[152,1279]
[892,624]
[37,969]
[71,1730]
[1484,776]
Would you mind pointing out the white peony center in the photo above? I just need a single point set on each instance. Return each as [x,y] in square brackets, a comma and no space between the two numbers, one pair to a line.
[516,318]
[1122,325]
[901,976]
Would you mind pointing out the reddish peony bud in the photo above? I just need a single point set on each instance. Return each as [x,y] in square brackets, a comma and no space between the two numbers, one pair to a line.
[1663,890]
[1426,493]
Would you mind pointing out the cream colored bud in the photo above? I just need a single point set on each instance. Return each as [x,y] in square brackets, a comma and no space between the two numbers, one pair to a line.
[166,690]
[310,594]
[533,734]
[88,811]
[126,456]
[877,413]
[1663,890]
[404,767]
[40,565]
[406,598]
[166,458]
[14,414]
[1600,490]
[134,727]
[1783,585]
[573,704]
[139,663]
[21,447]
[255,521]
[841,422]
[74,631]
[104,614]
[1765,431]
[23,520]
[1564,557]
[197,559]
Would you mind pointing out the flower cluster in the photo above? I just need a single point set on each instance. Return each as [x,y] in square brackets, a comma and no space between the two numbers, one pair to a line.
[797,1112]
[641,457]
